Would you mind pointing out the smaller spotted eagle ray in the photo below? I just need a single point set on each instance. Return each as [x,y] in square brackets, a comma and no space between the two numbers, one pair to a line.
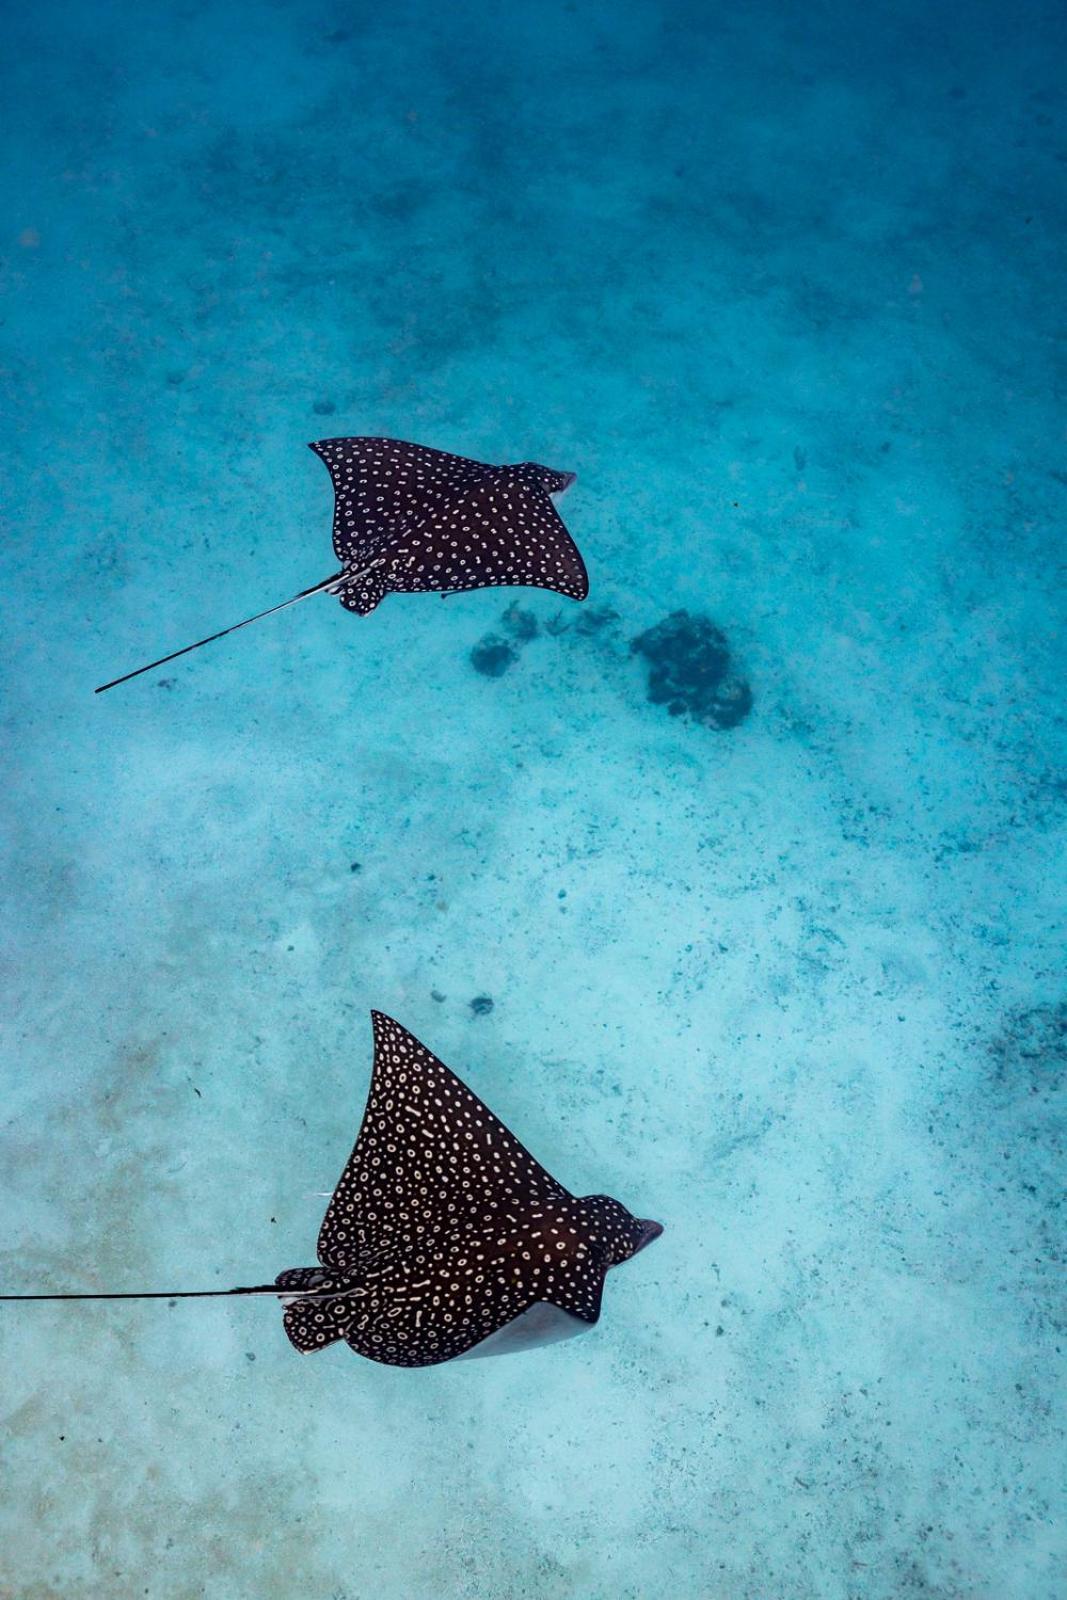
[409,519]
[444,1236]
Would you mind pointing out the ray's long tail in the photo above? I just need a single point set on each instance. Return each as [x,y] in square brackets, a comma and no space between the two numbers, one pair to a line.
[324,587]
[185,1294]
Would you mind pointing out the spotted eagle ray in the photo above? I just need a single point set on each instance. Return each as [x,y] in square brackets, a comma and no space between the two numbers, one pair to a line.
[409,519]
[444,1237]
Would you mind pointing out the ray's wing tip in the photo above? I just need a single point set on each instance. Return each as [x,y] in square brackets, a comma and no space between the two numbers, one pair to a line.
[387,1033]
[321,447]
[577,588]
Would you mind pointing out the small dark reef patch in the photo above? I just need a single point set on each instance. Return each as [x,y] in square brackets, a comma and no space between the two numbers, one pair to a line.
[492,656]
[689,671]
[1030,1052]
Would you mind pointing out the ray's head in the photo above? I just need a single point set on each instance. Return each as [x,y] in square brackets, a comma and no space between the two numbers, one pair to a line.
[620,1234]
[546,478]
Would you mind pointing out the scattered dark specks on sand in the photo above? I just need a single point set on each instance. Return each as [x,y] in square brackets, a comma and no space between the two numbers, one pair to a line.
[435,994]
[324,408]
[165,683]
[492,656]
[355,866]
[481,1005]
[689,671]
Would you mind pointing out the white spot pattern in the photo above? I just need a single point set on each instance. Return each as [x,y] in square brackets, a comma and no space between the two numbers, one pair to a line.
[443,1227]
[439,522]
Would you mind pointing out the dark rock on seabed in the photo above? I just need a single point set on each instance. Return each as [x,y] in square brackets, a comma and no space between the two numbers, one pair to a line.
[689,671]
[492,656]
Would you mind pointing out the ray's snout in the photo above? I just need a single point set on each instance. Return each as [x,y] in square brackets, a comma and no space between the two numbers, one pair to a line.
[568,479]
[648,1231]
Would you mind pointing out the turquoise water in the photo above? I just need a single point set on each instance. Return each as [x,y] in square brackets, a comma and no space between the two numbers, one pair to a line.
[783,287]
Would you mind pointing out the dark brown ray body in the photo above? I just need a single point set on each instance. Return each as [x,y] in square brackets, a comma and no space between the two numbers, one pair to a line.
[443,1227]
[423,519]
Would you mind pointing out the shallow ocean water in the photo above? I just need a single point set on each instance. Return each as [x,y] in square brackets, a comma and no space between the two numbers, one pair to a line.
[784,287]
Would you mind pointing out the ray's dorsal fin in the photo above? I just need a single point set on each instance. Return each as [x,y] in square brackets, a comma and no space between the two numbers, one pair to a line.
[430,1158]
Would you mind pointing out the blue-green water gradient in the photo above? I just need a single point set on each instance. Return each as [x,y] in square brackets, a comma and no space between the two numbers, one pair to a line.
[783,285]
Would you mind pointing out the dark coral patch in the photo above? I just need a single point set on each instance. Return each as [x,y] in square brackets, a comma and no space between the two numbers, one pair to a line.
[1030,1053]
[689,671]
[492,656]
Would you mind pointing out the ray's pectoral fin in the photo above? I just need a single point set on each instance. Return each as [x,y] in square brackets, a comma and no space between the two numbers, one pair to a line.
[572,1296]
[580,1291]
[541,1325]
[420,1117]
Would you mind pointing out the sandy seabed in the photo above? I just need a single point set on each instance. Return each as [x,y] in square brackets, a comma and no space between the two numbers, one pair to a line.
[782,287]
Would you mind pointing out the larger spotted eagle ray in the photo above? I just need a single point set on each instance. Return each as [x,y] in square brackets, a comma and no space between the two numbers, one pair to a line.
[409,519]
[444,1236]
